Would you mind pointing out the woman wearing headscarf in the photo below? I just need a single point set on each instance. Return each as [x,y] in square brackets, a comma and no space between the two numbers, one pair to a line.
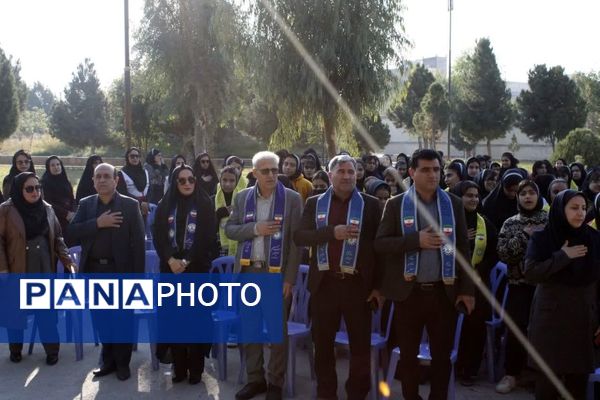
[314,153]
[238,163]
[564,261]
[177,161]
[454,173]
[402,163]
[591,185]
[543,182]
[560,162]
[555,187]
[31,242]
[508,161]
[372,166]
[564,172]
[184,235]
[512,246]
[538,168]
[487,183]
[291,169]
[578,173]
[133,179]
[157,174]
[226,192]
[501,203]
[320,183]
[483,238]
[308,164]
[58,192]
[206,173]
[21,162]
[473,169]
[380,189]
[85,187]
[360,174]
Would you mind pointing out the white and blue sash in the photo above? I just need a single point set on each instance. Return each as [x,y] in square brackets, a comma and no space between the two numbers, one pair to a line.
[350,247]
[409,222]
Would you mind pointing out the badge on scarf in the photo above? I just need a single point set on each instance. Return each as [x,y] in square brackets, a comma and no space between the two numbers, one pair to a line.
[409,222]
[447,230]
[191,228]
[172,233]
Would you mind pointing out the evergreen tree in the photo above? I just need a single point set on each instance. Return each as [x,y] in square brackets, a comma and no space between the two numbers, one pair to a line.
[483,110]
[40,97]
[408,101]
[80,120]
[552,106]
[9,98]
[432,118]
[379,131]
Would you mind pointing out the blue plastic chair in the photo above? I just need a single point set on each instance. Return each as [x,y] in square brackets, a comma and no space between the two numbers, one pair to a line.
[224,320]
[298,326]
[424,357]
[494,362]
[592,379]
[150,221]
[152,267]
[378,344]
[71,316]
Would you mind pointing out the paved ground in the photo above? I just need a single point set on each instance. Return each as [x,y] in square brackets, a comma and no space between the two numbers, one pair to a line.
[33,379]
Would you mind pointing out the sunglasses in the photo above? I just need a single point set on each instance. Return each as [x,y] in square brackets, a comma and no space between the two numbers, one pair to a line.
[30,189]
[190,179]
[267,171]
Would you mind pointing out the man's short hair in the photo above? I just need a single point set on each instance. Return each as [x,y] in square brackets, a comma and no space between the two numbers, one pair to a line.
[264,155]
[342,158]
[424,154]
[104,165]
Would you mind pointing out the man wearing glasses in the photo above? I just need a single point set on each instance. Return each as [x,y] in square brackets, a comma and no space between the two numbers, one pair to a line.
[111,231]
[263,220]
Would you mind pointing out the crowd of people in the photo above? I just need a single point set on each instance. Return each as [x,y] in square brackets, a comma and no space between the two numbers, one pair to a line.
[376,233]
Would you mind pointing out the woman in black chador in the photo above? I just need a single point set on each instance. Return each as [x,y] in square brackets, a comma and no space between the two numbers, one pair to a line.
[185,238]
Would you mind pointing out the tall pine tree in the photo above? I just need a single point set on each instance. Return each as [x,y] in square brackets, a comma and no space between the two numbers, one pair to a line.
[9,98]
[483,110]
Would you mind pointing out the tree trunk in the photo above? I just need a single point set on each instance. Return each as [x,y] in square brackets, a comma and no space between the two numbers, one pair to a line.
[329,132]
[202,142]
[489,147]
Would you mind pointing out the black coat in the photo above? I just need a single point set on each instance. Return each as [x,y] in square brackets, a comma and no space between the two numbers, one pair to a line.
[366,263]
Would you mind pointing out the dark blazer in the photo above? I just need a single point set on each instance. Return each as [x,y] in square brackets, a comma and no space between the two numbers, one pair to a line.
[391,245]
[366,263]
[127,240]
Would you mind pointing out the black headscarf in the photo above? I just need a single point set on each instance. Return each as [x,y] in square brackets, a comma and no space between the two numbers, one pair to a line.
[496,206]
[374,184]
[485,175]
[322,175]
[8,179]
[56,186]
[540,203]
[581,271]
[313,152]
[298,166]
[85,187]
[593,173]
[378,172]
[514,162]
[360,183]
[137,173]
[564,172]
[471,161]
[579,182]
[543,182]
[471,216]
[406,160]
[459,168]
[174,161]
[33,214]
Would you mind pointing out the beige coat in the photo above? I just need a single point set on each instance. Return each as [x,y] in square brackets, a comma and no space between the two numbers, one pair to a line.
[13,242]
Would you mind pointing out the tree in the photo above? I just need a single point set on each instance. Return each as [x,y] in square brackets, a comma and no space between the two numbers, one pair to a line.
[21,86]
[589,86]
[552,106]
[353,42]
[580,143]
[192,44]
[40,97]
[483,110]
[31,123]
[80,120]
[408,101]
[432,118]
[9,98]
[379,131]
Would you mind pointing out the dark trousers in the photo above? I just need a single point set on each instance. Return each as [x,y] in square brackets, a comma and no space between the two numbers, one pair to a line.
[46,322]
[333,300]
[433,310]
[518,306]
[108,323]
[574,383]
[189,358]
[472,339]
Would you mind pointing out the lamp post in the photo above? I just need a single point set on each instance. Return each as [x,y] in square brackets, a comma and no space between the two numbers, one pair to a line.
[450,8]
[127,80]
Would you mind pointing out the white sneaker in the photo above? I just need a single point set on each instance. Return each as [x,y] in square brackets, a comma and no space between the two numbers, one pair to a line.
[506,384]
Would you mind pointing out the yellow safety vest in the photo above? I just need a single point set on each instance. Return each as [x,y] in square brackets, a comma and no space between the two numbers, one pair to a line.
[231,245]
[480,242]
[592,223]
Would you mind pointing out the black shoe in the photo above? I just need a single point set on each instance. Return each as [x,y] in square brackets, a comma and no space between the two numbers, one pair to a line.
[51,359]
[178,378]
[251,390]
[123,373]
[195,379]
[105,371]
[274,393]
[16,357]
[467,380]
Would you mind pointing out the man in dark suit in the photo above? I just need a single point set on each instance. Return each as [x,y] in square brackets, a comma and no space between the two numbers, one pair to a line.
[340,225]
[111,231]
[421,275]
[263,220]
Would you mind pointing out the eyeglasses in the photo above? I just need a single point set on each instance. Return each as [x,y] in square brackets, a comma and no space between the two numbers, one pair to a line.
[190,179]
[30,189]
[134,156]
[23,162]
[267,171]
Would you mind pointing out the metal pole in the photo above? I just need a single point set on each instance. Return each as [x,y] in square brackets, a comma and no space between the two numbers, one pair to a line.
[450,7]
[127,80]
